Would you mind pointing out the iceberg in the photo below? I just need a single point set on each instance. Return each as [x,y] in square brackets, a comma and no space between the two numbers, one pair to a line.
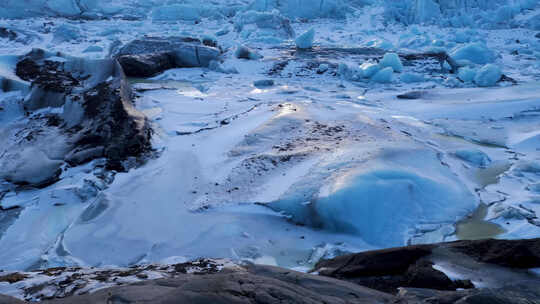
[305,41]
[488,76]
[392,60]
[477,53]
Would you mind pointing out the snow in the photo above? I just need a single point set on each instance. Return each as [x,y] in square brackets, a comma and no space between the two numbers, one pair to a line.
[327,144]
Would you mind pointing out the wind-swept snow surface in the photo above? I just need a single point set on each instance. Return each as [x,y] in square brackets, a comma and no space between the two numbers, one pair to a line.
[381,123]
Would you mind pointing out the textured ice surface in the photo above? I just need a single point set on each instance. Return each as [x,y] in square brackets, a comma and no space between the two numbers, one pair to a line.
[488,75]
[384,202]
[305,41]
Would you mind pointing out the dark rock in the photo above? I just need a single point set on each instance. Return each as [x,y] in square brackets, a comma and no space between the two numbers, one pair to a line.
[243,52]
[263,83]
[13,277]
[98,115]
[151,55]
[373,263]
[411,266]
[146,65]
[412,95]
[524,292]
[7,34]
[506,253]
[254,284]
[10,300]
[537,35]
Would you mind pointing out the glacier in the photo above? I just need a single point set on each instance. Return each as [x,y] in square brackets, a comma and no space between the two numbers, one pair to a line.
[295,130]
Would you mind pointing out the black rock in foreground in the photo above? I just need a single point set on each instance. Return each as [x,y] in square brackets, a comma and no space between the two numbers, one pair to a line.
[412,266]
[210,281]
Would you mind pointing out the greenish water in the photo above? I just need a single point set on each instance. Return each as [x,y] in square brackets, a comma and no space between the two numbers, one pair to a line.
[475,227]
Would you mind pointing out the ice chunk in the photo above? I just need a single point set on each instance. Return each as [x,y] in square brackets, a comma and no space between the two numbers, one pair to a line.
[307,9]
[412,77]
[382,205]
[66,32]
[467,74]
[488,76]
[244,52]
[384,76]
[477,53]
[93,49]
[369,69]
[305,41]
[264,83]
[474,157]
[392,60]
[176,12]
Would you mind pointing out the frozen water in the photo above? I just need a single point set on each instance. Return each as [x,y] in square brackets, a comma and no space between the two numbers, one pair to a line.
[392,60]
[384,76]
[488,75]
[477,53]
[305,41]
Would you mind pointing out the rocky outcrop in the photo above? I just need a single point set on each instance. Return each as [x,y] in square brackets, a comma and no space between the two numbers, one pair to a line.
[222,281]
[149,56]
[191,283]
[95,118]
[412,266]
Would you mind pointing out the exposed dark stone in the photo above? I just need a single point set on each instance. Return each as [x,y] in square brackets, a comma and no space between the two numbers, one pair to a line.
[411,266]
[255,284]
[412,95]
[151,55]
[13,277]
[372,263]
[98,113]
[7,33]
[506,253]
[9,300]
[537,35]
[146,65]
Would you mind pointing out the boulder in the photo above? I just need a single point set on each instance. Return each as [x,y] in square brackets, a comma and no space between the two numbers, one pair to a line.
[412,266]
[98,118]
[249,284]
[149,56]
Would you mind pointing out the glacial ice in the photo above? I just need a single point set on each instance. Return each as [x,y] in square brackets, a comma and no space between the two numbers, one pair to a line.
[474,157]
[467,74]
[383,203]
[412,77]
[477,53]
[488,75]
[392,60]
[305,41]
[383,76]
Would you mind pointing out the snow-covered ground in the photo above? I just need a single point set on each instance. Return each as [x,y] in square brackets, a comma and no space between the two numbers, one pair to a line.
[324,161]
